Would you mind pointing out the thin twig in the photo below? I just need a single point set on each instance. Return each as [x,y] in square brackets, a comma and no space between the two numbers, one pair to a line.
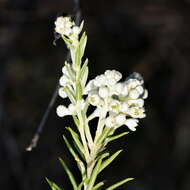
[40,128]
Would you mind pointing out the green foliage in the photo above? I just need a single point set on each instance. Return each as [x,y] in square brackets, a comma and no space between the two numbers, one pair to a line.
[53,185]
[69,173]
[119,184]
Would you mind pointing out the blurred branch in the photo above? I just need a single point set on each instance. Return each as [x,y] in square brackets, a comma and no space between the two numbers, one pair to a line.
[35,139]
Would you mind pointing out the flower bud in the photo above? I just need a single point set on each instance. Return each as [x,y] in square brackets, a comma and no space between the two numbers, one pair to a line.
[103,92]
[62,111]
[132,124]
[63,80]
[94,99]
[133,94]
[120,119]
[62,93]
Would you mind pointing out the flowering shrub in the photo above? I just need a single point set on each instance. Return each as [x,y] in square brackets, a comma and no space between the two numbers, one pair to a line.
[116,103]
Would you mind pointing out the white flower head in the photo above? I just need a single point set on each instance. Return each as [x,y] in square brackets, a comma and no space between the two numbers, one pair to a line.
[133,83]
[94,99]
[96,113]
[103,92]
[63,81]
[62,111]
[100,80]
[136,112]
[114,105]
[118,87]
[120,119]
[134,94]
[124,107]
[62,93]
[112,76]
[132,124]
[63,25]
[76,30]
[137,102]
[64,71]
[140,89]
[145,95]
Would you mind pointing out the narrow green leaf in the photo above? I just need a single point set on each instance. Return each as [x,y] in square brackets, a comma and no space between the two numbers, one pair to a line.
[119,184]
[76,121]
[80,164]
[84,73]
[82,43]
[109,160]
[53,185]
[70,94]
[81,26]
[73,54]
[98,186]
[67,41]
[78,90]
[82,183]
[112,138]
[69,173]
[103,155]
[70,71]
[78,56]
[77,141]
[104,134]
[94,174]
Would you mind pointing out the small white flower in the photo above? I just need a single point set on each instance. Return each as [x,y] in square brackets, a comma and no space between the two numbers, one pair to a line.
[136,112]
[76,30]
[100,81]
[124,91]
[131,124]
[63,80]
[133,83]
[114,105]
[120,119]
[89,87]
[110,122]
[103,92]
[62,93]
[133,94]
[120,89]
[63,25]
[145,95]
[137,102]
[64,71]
[94,99]
[140,89]
[97,112]
[113,74]
[124,107]
[62,111]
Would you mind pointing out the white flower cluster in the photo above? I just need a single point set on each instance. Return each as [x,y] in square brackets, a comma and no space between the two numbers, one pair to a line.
[123,101]
[67,82]
[64,26]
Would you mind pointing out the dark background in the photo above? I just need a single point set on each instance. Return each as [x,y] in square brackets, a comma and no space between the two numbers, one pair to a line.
[150,37]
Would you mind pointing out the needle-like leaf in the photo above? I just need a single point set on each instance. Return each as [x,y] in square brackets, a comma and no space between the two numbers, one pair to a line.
[53,185]
[109,160]
[119,184]
[80,164]
[69,173]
